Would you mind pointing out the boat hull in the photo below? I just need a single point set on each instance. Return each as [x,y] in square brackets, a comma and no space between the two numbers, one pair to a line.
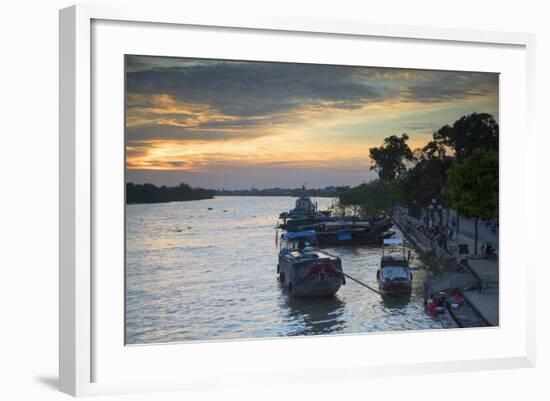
[396,289]
[297,224]
[311,278]
[336,239]
[317,289]
[394,276]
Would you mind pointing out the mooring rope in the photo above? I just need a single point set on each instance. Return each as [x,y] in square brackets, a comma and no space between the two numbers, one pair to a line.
[363,284]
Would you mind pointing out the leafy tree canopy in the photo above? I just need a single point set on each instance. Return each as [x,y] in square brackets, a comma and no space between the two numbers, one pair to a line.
[374,198]
[424,182]
[389,159]
[472,188]
[433,151]
[474,131]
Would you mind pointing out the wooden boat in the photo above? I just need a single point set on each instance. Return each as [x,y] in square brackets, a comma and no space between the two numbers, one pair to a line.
[304,213]
[334,233]
[305,270]
[394,275]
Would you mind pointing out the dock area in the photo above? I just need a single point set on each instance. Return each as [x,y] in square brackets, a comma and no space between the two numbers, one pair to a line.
[477,277]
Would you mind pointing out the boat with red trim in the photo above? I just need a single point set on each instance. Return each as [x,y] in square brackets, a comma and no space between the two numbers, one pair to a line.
[305,270]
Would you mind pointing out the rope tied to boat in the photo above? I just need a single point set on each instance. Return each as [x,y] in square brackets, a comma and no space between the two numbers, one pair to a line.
[361,283]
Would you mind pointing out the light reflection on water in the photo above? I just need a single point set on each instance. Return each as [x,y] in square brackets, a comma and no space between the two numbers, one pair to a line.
[199,274]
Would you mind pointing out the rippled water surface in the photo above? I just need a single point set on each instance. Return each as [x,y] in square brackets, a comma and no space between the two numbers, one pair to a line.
[199,274]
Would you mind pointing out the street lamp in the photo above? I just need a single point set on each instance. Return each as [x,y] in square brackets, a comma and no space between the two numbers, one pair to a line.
[442,235]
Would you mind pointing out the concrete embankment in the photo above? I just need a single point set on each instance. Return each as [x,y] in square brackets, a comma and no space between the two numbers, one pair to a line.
[478,279]
[485,303]
[423,243]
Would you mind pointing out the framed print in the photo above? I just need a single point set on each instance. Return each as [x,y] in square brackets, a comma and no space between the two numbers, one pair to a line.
[250,199]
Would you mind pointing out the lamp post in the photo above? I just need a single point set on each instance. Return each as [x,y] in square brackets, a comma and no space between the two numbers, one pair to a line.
[442,235]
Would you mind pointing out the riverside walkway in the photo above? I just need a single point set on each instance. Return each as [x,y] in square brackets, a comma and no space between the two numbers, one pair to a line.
[479,277]
[486,303]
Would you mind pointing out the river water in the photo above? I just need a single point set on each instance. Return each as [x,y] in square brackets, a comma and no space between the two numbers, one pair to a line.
[199,274]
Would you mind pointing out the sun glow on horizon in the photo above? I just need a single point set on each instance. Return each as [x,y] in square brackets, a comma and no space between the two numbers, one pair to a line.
[212,117]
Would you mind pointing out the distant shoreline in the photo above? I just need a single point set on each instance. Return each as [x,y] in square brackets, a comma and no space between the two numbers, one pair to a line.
[149,193]
[166,201]
[217,196]
[278,196]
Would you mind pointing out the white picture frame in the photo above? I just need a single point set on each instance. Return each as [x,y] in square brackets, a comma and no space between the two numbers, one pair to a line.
[80,337]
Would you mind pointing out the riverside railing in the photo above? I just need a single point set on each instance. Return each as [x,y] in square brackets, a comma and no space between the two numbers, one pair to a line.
[425,241]
[485,281]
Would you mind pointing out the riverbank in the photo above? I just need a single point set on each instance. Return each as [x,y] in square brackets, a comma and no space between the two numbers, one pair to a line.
[149,193]
[476,278]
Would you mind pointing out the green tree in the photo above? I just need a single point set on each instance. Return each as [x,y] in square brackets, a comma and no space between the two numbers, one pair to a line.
[472,187]
[373,198]
[474,131]
[389,159]
[425,181]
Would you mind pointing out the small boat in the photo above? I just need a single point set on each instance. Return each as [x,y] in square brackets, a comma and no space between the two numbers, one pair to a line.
[394,275]
[306,271]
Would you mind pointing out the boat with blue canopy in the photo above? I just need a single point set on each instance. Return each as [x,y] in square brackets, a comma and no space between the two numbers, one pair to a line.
[305,270]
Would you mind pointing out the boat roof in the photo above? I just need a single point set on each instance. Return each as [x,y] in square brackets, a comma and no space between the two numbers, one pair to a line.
[393,241]
[339,224]
[296,235]
[394,261]
[311,255]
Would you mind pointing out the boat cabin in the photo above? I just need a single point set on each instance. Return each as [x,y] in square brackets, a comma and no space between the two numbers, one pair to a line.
[304,269]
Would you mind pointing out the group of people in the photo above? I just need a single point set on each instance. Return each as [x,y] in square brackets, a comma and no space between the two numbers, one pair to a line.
[437,233]
[437,303]
[443,233]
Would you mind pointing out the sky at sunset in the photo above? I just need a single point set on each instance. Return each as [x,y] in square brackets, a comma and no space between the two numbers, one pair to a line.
[236,125]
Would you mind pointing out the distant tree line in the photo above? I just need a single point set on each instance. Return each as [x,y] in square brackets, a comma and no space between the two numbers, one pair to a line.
[458,168]
[320,192]
[149,193]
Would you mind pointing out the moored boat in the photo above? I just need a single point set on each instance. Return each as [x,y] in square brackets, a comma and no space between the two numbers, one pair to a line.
[304,213]
[394,275]
[305,270]
[342,232]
